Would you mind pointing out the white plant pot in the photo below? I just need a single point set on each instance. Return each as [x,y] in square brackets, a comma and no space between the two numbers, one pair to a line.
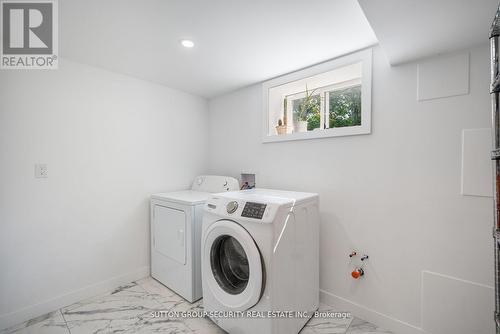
[300,126]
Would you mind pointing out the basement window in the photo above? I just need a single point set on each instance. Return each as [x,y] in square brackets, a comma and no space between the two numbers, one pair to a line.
[327,100]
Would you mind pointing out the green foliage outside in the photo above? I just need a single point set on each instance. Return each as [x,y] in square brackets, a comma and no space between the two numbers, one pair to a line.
[345,107]
[313,121]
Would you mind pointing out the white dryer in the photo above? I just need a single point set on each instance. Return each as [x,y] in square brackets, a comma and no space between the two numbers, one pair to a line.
[176,219]
[260,258]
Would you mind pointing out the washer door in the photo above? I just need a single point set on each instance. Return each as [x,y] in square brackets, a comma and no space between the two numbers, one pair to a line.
[232,266]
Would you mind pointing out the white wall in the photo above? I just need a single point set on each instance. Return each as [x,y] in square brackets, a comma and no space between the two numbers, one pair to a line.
[394,194]
[109,141]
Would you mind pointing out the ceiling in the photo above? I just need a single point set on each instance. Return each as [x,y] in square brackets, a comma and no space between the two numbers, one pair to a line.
[237,43]
[413,29]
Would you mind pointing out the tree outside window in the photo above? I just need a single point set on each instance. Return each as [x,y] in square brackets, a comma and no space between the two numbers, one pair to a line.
[345,107]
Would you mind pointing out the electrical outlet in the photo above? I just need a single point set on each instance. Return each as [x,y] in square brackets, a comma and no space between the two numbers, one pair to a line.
[41,171]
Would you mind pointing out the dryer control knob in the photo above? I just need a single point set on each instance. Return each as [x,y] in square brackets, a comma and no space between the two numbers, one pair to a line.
[232,206]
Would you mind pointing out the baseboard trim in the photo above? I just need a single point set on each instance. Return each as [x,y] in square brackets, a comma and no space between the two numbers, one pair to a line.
[30,312]
[384,321]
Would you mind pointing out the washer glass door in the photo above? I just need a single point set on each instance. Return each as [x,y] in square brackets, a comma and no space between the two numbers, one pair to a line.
[231,265]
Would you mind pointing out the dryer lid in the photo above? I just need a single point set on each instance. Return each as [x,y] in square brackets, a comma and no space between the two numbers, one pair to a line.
[215,183]
[186,197]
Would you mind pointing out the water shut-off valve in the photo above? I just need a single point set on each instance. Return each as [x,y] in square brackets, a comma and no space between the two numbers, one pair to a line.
[357,273]
[358,270]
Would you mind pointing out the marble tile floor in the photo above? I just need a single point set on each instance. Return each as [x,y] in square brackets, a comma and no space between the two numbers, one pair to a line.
[129,309]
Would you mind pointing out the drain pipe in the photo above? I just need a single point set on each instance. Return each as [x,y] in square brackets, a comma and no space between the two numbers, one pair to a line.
[495,154]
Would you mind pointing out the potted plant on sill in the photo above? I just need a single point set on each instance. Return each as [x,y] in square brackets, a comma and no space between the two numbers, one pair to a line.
[281,128]
[309,106]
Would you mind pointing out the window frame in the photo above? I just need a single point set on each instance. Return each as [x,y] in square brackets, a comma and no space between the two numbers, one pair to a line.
[364,57]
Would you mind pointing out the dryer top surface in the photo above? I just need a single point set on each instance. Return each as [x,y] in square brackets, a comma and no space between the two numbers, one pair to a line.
[189,197]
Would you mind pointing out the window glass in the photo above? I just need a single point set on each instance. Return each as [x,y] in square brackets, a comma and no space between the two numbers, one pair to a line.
[229,264]
[306,110]
[344,106]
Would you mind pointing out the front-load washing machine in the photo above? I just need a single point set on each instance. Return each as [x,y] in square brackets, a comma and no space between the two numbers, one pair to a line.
[260,260]
[176,219]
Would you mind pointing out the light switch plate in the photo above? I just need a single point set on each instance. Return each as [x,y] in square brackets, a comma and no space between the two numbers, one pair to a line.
[41,171]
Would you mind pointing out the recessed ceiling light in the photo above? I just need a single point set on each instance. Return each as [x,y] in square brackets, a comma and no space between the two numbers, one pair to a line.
[187,43]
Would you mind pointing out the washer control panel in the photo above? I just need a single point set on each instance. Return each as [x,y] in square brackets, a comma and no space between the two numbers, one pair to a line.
[240,210]
[253,210]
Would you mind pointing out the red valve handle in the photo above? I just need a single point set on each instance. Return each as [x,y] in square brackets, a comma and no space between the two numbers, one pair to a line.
[357,273]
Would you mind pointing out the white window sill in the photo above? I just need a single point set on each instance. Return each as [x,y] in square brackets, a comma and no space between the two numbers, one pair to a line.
[316,134]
